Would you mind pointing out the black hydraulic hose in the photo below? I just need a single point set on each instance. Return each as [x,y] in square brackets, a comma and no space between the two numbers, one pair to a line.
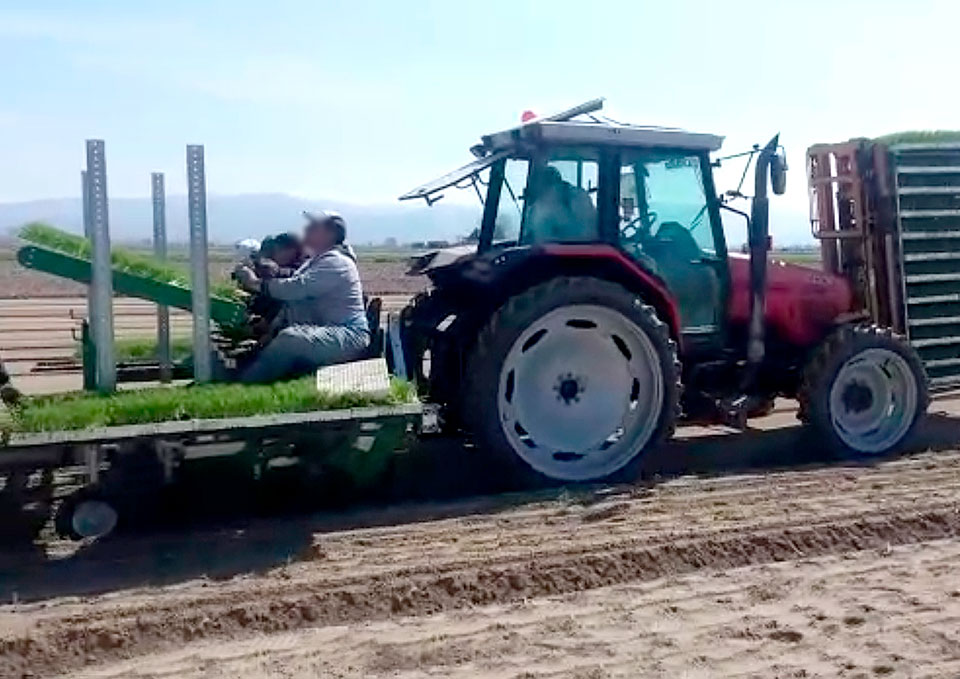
[759,242]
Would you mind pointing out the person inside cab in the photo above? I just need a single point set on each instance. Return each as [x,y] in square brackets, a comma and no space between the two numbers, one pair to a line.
[322,319]
[557,210]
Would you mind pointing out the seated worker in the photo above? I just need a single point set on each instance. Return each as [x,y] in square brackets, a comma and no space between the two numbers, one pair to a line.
[322,320]
[558,211]
[278,257]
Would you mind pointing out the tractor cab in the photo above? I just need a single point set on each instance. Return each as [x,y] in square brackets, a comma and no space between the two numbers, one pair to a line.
[646,192]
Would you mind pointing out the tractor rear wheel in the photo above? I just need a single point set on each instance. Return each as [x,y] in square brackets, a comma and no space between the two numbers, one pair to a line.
[863,391]
[572,380]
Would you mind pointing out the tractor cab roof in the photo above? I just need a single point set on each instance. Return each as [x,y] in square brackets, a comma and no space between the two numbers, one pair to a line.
[579,126]
[600,132]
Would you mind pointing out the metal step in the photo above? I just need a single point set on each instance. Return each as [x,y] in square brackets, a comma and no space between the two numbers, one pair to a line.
[944,341]
[929,235]
[942,363]
[929,190]
[932,277]
[928,214]
[929,169]
[940,320]
[945,382]
[931,256]
[934,299]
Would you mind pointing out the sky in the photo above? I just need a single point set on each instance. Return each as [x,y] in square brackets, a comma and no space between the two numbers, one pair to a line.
[363,100]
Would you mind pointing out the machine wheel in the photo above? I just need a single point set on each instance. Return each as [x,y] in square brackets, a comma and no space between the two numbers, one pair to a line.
[87,513]
[572,380]
[863,391]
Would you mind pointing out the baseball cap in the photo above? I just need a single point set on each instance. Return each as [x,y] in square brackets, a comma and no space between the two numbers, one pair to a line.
[328,218]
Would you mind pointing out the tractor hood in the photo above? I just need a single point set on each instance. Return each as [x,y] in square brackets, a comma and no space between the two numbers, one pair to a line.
[438,259]
[802,303]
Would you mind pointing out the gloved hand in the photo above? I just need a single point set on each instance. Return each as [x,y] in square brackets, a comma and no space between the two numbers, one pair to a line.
[246,277]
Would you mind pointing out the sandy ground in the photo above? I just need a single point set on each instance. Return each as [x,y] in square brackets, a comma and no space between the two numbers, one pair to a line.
[830,570]
[749,556]
[886,612]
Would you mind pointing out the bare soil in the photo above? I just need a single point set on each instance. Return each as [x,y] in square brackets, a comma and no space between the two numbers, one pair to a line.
[891,612]
[834,570]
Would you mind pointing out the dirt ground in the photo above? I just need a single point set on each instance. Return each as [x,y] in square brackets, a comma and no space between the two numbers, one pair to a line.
[888,612]
[750,555]
[747,555]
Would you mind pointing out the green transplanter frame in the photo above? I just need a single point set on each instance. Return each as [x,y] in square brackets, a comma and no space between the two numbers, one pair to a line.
[222,311]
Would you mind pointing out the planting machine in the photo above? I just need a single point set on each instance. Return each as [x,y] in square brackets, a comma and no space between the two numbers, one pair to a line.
[600,305]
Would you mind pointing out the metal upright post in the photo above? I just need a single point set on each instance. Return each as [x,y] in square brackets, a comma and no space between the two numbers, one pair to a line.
[160,251]
[88,353]
[199,271]
[101,282]
[85,195]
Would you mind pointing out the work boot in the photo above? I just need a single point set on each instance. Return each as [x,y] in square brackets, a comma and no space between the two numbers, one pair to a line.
[10,395]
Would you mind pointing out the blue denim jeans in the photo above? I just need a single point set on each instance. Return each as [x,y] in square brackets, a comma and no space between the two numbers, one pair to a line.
[301,349]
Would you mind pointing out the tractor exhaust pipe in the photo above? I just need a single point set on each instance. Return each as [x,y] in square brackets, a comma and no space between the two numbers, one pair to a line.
[759,242]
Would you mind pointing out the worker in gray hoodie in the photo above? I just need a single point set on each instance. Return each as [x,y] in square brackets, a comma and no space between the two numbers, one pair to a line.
[323,320]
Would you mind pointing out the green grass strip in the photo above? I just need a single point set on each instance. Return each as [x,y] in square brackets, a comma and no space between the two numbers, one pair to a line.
[80,410]
[134,263]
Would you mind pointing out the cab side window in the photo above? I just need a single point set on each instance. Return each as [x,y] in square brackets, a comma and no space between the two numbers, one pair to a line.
[561,200]
[662,197]
[675,194]
[666,225]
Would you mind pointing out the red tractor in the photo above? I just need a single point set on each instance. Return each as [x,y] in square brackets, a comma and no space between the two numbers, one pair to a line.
[599,304]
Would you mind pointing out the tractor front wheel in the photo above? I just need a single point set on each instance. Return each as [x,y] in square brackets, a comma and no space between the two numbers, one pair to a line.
[863,391]
[572,380]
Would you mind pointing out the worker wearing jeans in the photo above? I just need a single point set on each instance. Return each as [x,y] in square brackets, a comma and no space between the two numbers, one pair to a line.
[323,320]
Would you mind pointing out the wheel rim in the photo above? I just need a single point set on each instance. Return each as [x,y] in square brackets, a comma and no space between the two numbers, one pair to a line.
[580,392]
[93,519]
[873,400]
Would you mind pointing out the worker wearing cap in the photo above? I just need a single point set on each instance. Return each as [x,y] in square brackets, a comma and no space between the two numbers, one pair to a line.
[323,320]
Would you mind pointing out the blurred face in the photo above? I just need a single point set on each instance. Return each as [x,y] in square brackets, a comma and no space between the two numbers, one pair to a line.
[285,256]
[319,238]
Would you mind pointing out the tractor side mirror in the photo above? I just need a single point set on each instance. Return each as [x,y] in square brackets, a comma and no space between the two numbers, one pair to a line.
[778,172]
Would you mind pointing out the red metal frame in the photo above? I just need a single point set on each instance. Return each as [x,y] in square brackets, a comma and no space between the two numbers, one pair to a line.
[849,191]
[664,301]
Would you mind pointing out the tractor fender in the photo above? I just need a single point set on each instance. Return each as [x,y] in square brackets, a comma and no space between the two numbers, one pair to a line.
[606,261]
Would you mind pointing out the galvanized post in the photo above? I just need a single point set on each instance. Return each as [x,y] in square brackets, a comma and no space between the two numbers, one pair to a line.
[85,195]
[160,251]
[88,355]
[102,277]
[199,272]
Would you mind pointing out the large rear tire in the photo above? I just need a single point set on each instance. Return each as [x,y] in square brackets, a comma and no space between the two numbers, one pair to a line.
[572,380]
[863,391]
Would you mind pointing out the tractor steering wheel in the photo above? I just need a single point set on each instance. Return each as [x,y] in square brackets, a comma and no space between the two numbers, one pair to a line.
[638,229]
